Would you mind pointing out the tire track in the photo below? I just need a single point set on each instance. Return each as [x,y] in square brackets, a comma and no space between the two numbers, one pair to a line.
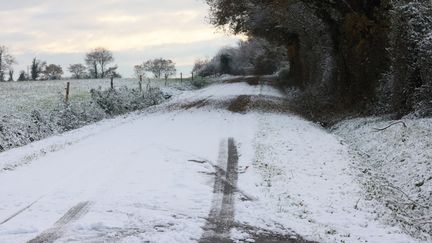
[221,218]
[222,214]
[20,211]
[54,233]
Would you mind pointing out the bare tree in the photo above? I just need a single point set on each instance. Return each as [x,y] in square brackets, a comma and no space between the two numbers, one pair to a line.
[160,67]
[139,71]
[78,70]
[200,64]
[91,61]
[99,58]
[53,72]
[6,62]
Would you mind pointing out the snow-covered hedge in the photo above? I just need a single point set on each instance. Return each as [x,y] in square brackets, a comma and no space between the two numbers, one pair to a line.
[116,102]
[410,51]
[18,130]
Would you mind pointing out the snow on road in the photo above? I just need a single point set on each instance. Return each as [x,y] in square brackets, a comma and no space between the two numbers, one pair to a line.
[150,177]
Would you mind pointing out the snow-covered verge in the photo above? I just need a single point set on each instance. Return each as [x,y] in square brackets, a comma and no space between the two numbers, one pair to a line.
[306,184]
[21,129]
[395,167]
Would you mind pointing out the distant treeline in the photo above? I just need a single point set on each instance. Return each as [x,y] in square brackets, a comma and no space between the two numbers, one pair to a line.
[97,64]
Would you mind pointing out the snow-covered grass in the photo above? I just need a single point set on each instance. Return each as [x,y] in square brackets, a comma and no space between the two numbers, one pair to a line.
[395,165]
[306,184]
[23,97]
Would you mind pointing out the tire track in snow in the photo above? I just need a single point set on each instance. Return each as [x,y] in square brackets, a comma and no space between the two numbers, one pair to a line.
[20,211]
[221,218]
[54,233]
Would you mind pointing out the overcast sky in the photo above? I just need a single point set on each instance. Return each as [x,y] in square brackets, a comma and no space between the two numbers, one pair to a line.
[61,31]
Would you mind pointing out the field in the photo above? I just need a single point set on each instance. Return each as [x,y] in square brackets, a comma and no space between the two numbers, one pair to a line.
[23,97]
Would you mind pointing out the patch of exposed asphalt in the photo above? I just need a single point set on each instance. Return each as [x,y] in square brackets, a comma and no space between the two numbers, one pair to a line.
[54,233]
[221,219]
[240,104]
[195,104]
[252,80]
[264,236]
[234,80]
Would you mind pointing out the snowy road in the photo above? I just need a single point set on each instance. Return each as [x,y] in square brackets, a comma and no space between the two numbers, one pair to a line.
[189,171]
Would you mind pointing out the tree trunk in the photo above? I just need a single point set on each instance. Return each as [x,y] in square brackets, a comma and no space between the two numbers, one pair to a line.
[96,69]
[297,67]
[1,68]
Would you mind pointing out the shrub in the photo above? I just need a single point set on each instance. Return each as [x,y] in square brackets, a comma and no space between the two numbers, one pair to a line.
[116,102]
[199,83]
[423,101]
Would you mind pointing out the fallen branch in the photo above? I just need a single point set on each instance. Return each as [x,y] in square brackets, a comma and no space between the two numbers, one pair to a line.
[356,206]
[387,127]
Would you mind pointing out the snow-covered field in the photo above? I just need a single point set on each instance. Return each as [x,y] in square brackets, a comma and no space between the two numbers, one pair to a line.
[23,97]
[189,175]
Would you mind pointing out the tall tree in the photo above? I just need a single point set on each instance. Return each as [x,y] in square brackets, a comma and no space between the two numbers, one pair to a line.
[225,63]
[78,70]
[91,61]
[6,62]
[37,68]
[11,74]
[53,72]
[22,76]
[99,58]
[160,67]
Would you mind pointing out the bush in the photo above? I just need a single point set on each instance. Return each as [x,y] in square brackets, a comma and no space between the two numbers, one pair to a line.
[199,83]
[423,101]
[116,102]
[67,117]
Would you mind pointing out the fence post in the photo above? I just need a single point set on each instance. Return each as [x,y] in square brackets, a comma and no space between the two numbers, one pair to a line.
[181,77]
[166,80]
[112,82]
[140,83]
[67,92]
[192,76]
